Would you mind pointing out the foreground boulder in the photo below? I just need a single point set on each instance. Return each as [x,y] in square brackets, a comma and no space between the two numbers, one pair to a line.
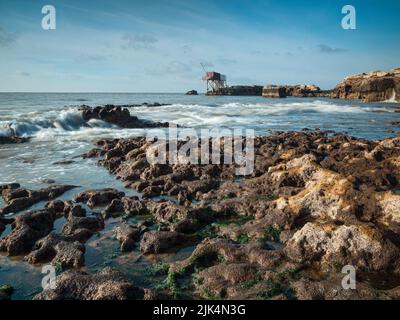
[59,251]
[95,198]
[27,229]
[374,86]
[108,284]
[82,228]
[18,199]
[358,245]
[163,241]
[127,235]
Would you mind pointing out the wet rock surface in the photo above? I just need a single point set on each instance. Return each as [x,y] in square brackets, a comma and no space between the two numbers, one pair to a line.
[95,198]
[163,241]
[82,228]
[6,292]
[12,139]
[315,202]
[117,115]
[106,285]
[128,235]
[60,251]
[18,199]
[27,229]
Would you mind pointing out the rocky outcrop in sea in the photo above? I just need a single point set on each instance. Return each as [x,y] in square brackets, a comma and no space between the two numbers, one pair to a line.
[370,87]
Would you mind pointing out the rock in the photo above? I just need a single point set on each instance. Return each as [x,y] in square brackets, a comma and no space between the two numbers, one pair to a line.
[55,248]
[163,241]
[274,92]
[237,91]
[303,90]
[374,86]
[358,245]
[93,153]
[3,223]
[9,186]
[82,228]
[192,93]
[167,211]
[27,229]
[118,116]
[6,292]
[223,280]
[317,200]
[12,139]
[128,206]
[95,198]
[107,284]
[19,199]
[127,235]
[293,91]
[66,208]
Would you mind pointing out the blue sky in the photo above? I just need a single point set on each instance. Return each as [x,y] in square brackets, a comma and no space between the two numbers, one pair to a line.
[157,46]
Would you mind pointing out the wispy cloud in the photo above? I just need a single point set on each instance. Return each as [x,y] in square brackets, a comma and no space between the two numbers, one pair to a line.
[226,61]
[172,68]
[138,41]
[91,58]
[6,38]
[187,49]
[328,49]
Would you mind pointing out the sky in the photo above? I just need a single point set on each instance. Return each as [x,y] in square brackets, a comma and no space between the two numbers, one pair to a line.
[157,46]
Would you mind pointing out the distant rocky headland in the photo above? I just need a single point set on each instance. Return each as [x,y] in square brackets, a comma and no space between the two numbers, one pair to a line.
[368,87]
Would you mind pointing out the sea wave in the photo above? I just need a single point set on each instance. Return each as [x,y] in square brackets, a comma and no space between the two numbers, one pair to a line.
[52,124]
[31,124]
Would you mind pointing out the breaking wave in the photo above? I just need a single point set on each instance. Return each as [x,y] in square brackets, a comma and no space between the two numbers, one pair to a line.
[284,114]
[31,124]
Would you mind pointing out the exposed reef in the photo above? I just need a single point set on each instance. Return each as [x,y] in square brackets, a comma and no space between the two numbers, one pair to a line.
[315,202]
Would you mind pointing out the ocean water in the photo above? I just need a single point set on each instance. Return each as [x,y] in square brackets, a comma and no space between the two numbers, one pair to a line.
[60,136]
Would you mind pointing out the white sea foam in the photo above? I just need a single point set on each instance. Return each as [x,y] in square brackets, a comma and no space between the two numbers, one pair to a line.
[54,124]
[392,98]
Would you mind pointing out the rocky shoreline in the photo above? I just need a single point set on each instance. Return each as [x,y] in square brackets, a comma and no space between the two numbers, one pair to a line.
[374,86]
[316,201]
